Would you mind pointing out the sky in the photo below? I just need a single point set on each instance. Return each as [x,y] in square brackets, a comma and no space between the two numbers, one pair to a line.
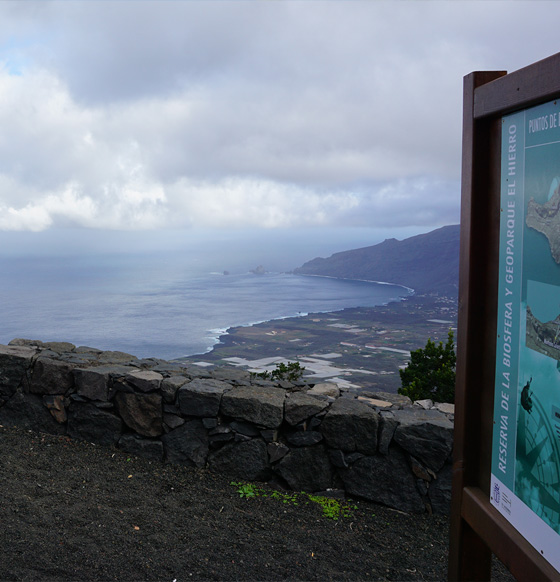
[153,117]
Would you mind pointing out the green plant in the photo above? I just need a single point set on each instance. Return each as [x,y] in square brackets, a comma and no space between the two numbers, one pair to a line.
[246,489]
[332,508]
[431,372]
[292,372]
[284,497]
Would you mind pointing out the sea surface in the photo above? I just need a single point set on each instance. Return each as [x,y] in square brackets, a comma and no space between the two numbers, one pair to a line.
[158,306]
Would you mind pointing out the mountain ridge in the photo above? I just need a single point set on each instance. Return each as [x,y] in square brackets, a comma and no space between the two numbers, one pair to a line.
[427,263]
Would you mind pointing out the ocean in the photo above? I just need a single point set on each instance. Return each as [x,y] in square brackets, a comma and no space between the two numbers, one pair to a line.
[159,304]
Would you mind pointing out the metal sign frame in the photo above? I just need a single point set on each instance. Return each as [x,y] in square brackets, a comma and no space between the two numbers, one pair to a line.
[478,530]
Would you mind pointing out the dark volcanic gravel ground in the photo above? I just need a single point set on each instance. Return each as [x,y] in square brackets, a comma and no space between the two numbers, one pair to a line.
[74,511]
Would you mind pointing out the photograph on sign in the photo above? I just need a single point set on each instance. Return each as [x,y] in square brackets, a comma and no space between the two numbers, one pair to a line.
[526,440]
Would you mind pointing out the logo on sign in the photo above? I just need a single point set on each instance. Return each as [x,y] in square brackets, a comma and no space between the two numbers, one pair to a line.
[497,493]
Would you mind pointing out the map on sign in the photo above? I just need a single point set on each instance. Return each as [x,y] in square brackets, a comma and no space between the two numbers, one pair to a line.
[544,337]
[545,218]
[525,484]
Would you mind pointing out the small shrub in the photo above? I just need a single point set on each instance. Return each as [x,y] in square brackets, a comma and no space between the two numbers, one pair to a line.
[431,372]
[292,372]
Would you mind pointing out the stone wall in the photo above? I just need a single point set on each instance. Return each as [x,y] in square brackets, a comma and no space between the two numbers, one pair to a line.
[297,435]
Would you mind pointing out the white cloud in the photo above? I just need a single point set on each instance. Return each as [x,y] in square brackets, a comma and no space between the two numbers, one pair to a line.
[134,206]
[253,202]
[30,217]
[244,202]
[40,215]
[132,115]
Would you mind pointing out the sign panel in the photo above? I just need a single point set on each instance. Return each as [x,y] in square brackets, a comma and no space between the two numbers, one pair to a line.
[525,485]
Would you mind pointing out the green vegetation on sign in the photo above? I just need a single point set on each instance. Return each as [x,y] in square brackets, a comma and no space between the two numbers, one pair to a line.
[431,372]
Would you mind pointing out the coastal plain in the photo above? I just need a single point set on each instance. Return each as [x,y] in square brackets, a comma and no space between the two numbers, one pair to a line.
[360,349]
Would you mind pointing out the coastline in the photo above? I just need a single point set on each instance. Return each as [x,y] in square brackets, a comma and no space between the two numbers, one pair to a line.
[410,289]
[231,331]
[361,348]
[220,334]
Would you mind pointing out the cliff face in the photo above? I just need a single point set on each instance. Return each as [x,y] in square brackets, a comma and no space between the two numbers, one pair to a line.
[426,262]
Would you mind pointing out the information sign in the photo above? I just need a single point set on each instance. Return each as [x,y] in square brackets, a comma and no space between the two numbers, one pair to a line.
[525,482]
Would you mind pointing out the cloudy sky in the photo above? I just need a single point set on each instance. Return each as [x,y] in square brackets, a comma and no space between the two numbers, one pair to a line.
[127,115]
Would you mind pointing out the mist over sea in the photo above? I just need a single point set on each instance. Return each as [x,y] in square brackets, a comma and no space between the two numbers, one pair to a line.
[165,303]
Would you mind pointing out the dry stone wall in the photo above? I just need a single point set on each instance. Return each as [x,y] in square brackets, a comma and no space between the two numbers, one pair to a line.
[303,436]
